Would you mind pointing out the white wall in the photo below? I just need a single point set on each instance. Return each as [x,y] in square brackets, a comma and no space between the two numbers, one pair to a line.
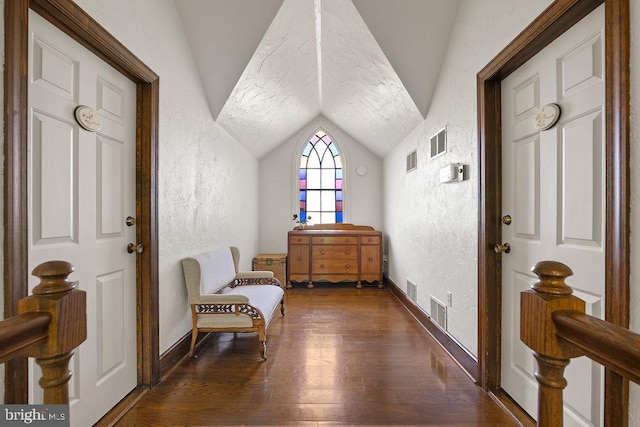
[208,182]
[634,404]
[432,228]
[278,185]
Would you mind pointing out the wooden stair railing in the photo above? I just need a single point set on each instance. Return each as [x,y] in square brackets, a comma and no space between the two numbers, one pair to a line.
[50,324]
[554,325]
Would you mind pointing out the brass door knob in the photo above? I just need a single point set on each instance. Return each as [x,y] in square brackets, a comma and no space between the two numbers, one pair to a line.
[506,220]
[504,248]
[135,247]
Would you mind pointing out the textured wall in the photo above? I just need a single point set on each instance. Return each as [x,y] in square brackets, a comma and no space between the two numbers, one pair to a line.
[278,172]
[208,182]
[431,228]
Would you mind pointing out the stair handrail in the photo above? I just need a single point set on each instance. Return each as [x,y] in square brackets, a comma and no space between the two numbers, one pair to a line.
[553,324]
[50,324]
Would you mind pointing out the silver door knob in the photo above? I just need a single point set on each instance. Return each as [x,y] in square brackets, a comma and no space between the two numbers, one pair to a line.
[135,247]
[504,248]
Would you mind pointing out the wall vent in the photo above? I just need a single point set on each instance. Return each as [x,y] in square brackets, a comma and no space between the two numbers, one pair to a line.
[412,160]
[439,313]
[412,291]
[438,144]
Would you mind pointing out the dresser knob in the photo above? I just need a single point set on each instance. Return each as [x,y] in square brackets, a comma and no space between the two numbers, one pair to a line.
[370,258]
[348,252]
[348,240]
[347,266]
[321,265]
[322,252]
[322,240]
[299,258]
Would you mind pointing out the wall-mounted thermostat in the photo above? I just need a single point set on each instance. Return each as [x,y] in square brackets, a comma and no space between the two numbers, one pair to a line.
[452,172]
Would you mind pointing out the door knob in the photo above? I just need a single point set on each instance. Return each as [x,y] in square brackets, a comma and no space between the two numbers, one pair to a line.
[506,220]
[498,248]
[135,247]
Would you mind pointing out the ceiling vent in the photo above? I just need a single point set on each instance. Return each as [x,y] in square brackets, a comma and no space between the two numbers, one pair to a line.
[438,143]
[412,160]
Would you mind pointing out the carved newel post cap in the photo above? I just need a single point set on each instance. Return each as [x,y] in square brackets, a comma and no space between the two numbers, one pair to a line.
[53,278]
[551,275]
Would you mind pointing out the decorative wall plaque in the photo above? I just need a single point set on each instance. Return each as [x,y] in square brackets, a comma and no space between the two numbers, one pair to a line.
[88,118]
[547,117]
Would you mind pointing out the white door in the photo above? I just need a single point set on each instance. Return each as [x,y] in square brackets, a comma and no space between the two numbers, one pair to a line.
[553,187]
[81,190]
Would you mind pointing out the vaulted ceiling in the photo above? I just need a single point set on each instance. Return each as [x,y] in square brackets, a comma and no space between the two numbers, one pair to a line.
[269,67]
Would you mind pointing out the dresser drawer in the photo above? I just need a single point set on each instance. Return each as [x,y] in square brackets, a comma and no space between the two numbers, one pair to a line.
[334,266]
[298,240]
[370,240]
[342,252]
[334,240]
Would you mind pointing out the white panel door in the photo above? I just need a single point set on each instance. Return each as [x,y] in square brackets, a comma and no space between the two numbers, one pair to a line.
[81,189]
[553,187]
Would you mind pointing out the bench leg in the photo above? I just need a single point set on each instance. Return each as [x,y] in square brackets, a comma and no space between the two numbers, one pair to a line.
[263,350]
[194,336]
[282,306]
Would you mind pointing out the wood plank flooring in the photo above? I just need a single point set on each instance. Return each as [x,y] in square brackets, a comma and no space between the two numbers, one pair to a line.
[341,356]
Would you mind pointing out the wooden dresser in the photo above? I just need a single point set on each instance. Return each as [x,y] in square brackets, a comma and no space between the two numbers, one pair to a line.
[334,253]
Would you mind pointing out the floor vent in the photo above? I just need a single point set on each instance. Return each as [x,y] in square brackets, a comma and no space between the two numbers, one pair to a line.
[439,313]
[412,291]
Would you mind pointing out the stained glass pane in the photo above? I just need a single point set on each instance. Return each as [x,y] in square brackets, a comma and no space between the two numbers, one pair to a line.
[327,161]
[338,184]
[307,150]
[328,179]
[328,201]
[338,206]
[339,195]
[303,195]
[338,217]
[334,149]
[328,217]
[303,216]
[313,178]
[338,173]
[303,206]
[303,184]
[314,139]
[338,161]
[313,200]
[314,160]
[303,174]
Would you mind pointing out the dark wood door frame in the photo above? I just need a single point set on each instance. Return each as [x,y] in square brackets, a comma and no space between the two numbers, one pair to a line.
[67,16]
[556,19]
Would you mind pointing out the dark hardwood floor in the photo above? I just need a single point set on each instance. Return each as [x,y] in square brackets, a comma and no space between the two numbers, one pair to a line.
[340,356]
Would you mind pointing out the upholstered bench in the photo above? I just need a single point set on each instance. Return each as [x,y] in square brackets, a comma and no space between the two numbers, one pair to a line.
[225,300]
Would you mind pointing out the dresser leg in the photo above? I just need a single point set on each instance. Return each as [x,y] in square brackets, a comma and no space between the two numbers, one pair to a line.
[310,285]
[380,284]
[359,284]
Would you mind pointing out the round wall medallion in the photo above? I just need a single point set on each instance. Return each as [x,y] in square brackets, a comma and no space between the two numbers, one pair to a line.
[361,170]
[88,118]
[547,117]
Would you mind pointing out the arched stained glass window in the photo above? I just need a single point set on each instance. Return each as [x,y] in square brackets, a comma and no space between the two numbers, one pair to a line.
[320,179]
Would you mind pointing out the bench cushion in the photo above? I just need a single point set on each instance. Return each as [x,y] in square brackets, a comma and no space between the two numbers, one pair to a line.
[217,270]
[265,298]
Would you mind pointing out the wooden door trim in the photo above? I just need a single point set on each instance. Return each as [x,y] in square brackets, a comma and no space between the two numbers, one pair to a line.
[67,16]
[557,18]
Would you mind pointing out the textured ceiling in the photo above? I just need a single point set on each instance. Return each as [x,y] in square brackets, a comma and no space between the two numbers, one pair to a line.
[269,67]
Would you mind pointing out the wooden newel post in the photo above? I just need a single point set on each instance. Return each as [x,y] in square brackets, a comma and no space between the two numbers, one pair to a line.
[537,330]
[58,296]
